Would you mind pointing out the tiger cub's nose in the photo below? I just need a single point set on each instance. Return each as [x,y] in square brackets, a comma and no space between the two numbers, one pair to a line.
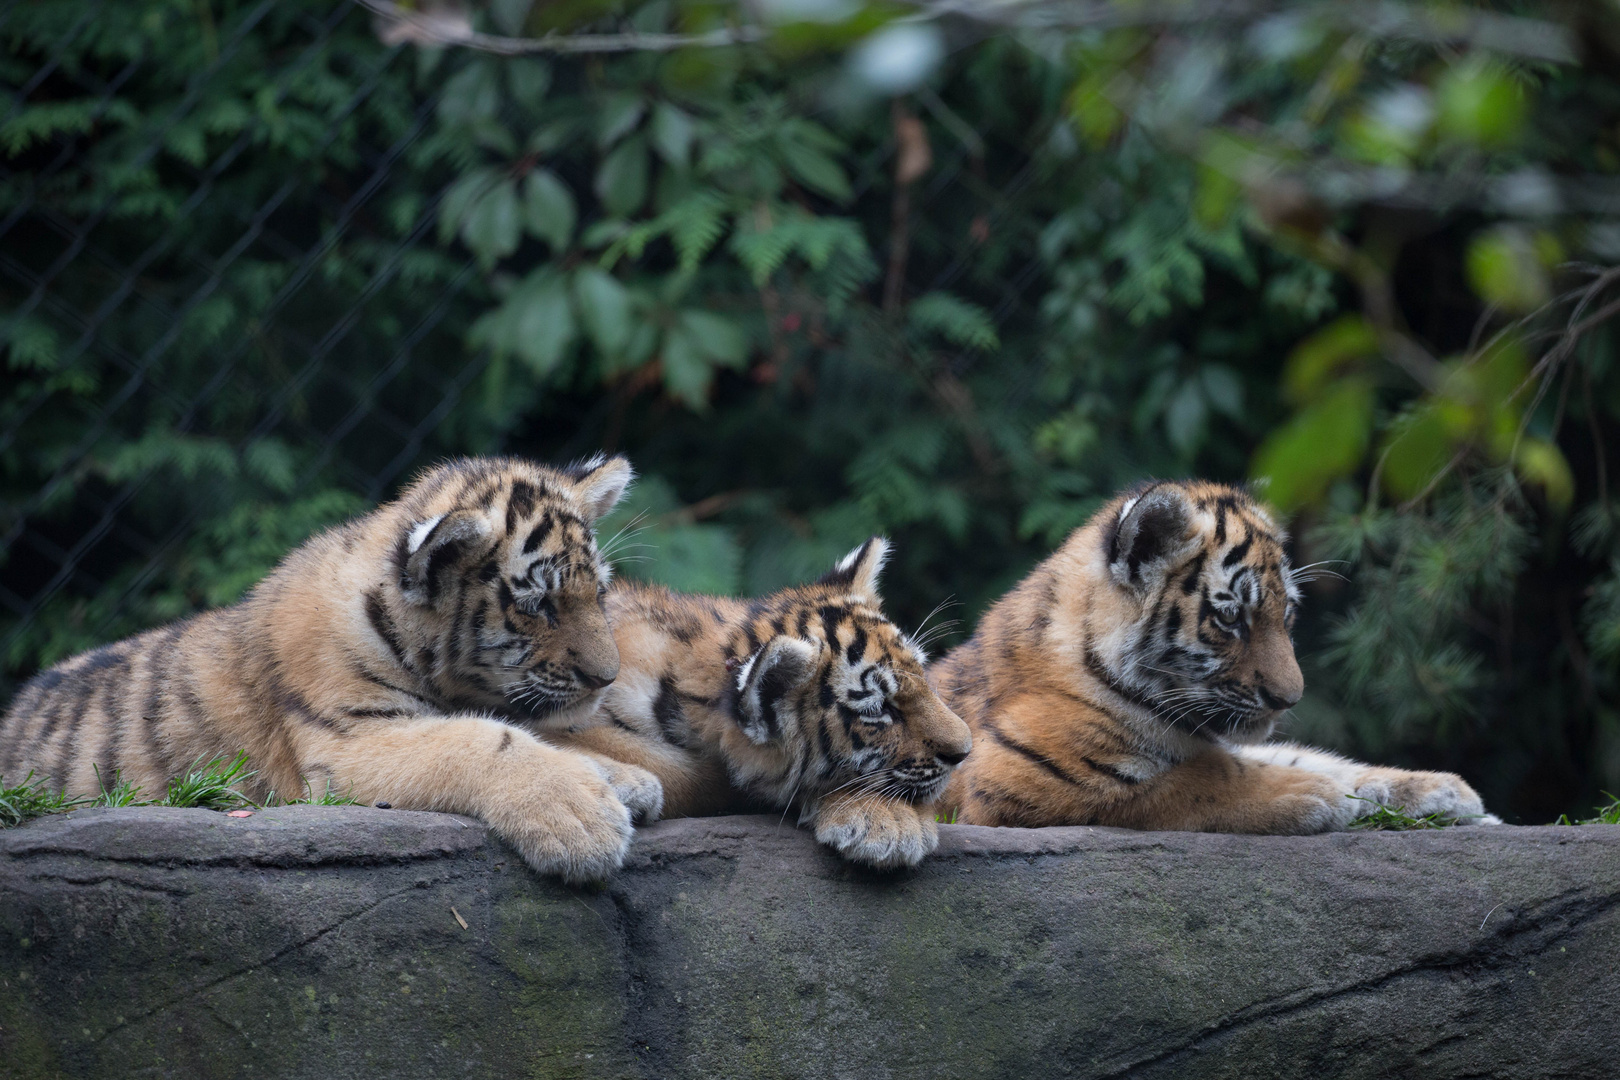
[953,757]
[593,680]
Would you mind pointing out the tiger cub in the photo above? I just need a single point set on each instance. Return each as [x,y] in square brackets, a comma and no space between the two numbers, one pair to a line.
[1133,677]
[410,656]
[808,697]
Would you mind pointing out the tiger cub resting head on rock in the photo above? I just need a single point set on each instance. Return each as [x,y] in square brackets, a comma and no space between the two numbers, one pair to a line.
[808,697]
[410,656]
[1133,678]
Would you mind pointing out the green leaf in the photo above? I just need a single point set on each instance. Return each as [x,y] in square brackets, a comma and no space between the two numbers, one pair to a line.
[45,121]
[494,223]
[762,251]
[698,343]
[618,116]
[534,323]
[717,338]
[510,16]
[472,96]
[459,199]
[688,374]
[31,344]
[528,78]
[957,321]
[672,134]
[271,460]
[815,169]
[1507,266]
[1326,440]
[696,225]
[1224,390]
[604,308]
[1216,196]
[1541,462]
[621,183]
[548,208]
[1186,416]
[1095,115]
[1419,446]
[1322,358]
[1479,102]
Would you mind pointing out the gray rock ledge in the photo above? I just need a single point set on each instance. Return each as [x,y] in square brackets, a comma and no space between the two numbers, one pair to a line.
[325,943]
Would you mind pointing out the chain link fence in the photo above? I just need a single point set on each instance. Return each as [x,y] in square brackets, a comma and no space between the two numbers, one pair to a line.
[258,328]
[232,313]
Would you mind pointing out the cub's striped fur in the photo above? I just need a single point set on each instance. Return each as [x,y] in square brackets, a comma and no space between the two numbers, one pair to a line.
[409,656]
[1133,677]
[808,697]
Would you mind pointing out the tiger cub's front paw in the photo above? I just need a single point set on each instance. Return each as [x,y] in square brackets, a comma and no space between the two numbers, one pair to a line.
[1422,793]
[641,792]
[567,821]
[1315,805]
[882,833]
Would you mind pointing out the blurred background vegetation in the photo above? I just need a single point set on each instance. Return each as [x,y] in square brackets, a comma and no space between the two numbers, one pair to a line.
[953,271]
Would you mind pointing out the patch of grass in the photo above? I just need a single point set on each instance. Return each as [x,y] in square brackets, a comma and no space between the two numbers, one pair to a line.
[212,786]
[325,798]
[1606,815]
[950,818]
[1396,819]
[31,799]
[122,792]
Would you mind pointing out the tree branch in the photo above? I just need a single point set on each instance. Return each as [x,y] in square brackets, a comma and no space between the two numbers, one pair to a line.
[1534,39]
[451,26]
[1531,38]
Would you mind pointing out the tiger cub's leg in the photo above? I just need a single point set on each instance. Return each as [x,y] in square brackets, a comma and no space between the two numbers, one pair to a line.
[556,806]
[1218,792]
[689,784]
[640,790]
[1413,792]
[883,833]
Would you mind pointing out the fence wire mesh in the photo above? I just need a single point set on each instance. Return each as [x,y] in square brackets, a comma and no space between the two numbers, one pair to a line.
[233,314]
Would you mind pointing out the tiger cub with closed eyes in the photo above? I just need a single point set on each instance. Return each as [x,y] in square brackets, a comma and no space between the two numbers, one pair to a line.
[415,656]
[808,697]
[1134,677]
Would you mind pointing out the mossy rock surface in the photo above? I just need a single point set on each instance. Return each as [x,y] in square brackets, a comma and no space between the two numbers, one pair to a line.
[322,941]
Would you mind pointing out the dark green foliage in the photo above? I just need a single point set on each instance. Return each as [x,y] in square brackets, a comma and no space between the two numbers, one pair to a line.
[259,266]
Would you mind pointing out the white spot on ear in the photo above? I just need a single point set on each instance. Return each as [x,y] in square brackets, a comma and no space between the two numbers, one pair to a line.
[864,565]
[742,672]
[420,533]
[603,484]
[1125,510]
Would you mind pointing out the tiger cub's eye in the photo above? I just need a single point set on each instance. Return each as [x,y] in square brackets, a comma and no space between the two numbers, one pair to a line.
[872,712]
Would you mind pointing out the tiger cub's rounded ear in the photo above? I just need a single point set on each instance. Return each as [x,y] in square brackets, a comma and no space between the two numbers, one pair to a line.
[781,665]
[858,571]
[1153,532]
[434,545]
[601,482]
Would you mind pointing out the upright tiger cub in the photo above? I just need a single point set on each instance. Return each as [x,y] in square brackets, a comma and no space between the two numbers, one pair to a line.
[1133,677]
[808,697]
[409,656]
